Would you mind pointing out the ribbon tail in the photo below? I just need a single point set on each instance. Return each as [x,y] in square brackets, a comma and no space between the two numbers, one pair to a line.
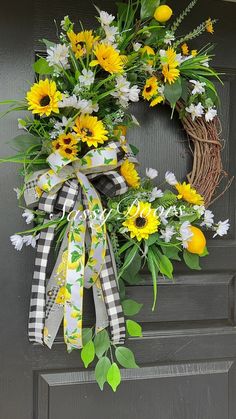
[54,311]
[112,299]
[38,290]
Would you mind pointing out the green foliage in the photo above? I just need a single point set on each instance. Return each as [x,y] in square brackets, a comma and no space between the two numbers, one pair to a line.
[24,142]
[171,252]
[133,328]
[191,260]
[129,274]
[173,92]
[125,357]
[101,343]
[182,15]
[101,371]
[131,307]
[168,199]
[42,67]
[148,8]
[153,268]
[130,255]
[87,334]
[113,376]
[88,353]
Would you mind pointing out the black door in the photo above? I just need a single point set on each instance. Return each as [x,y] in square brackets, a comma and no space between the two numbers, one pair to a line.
[188,351]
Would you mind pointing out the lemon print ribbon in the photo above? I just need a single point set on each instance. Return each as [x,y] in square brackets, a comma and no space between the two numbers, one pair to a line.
[79,274]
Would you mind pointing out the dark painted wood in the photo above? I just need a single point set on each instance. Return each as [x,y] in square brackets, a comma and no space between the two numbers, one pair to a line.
[188,350]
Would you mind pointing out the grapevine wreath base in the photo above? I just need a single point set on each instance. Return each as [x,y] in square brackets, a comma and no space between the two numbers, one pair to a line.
[81,188]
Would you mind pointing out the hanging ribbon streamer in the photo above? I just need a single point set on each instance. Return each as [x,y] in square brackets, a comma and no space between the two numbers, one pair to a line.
[67,187]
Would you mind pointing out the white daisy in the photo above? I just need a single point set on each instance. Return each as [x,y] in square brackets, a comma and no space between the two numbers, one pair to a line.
[106,18]
[68,102]
[28,215]
[208,219]
[222,228]
[200,209]
[30,240]
[111,33]
[58,56]
[156,193]
[151,173]
[167,234]
[198,87]
[17,241]
[185,233]
[86,78]
[87,106]
[210,114]
[196,111]
[170,178]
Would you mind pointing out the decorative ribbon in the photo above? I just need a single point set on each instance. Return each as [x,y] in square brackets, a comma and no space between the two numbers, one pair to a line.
[62,194]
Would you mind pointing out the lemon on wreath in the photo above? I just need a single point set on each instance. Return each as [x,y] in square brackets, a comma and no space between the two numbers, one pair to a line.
[163,13]
[197,242]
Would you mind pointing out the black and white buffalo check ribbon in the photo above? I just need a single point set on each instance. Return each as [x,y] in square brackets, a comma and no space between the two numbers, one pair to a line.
[110,184]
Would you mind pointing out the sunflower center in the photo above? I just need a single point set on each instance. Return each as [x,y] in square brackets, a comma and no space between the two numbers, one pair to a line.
[80,44]
[87,132]
[68,150]
[57,146]
[140,222]
[67,141]
[45,101]
[148,89]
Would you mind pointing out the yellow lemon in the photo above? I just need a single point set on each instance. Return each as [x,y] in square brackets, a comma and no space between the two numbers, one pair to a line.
[75,314]
[79,324]
[73,265]
[163,13]
[197,242]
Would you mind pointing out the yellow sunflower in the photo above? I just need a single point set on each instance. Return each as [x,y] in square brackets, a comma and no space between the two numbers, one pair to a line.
[90,130]
[170,73]
[189,194]
[69,152]
[185,49]
[108,58]
[56,145]
[209,26]
[43,98]
[150,88]
[67,140]
[82,42]
[141,221]
[130,174]
[149,51]
[157,100]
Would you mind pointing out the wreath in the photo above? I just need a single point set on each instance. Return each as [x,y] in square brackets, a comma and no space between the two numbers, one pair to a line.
[81,188]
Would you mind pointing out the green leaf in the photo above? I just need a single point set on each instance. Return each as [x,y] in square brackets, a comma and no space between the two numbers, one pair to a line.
[133,328]
[87,335]
[101,371]
[134,149]
[121,288]
[24,141]
[148,8]
[172,92]
[152,266]
[165,266]
[132,279]
[113,376]
[88,353]
[204,253]
[171,252]
[128,259]
[42,67]
[125,357]
[191,260]
[101,343]
[134,267]
[131,307]
[48,43]
[152,239]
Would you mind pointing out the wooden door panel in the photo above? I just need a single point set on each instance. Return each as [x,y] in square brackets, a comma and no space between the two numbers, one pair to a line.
[196,391]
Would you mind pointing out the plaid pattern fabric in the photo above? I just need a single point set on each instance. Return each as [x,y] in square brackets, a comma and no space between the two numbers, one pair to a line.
[110,184]
[37,302]
[47,202]
[112,300]
[67,196]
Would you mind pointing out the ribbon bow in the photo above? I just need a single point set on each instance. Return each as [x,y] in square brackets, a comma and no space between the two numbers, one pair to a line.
[67,187]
